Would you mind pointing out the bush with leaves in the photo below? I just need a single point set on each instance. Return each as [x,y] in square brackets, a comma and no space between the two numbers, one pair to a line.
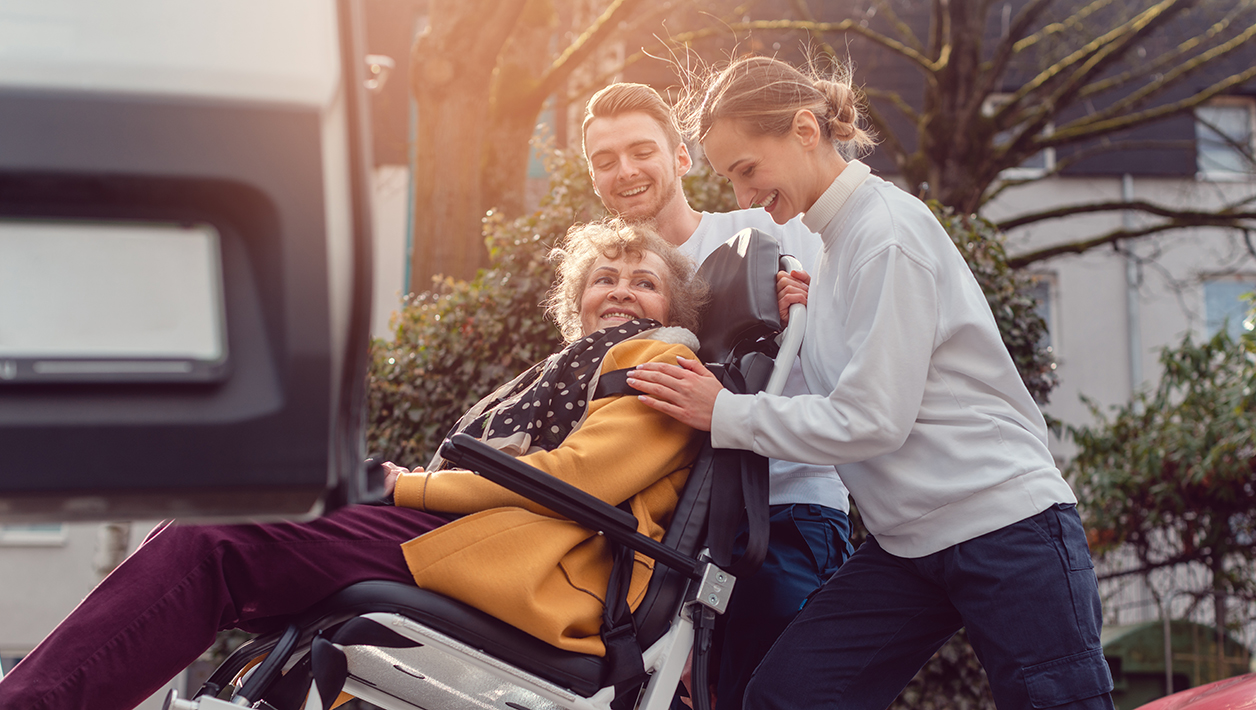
[1172,474]
[1008,293]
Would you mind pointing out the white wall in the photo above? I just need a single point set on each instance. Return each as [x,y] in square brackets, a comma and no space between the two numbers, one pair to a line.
[1091,327]
[44,581]
[389,216]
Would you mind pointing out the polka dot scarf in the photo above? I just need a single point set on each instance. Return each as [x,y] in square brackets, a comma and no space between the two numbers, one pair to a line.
[540,408]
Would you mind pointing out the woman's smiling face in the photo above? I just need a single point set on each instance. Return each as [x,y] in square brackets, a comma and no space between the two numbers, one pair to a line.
[624,288]
[766,171]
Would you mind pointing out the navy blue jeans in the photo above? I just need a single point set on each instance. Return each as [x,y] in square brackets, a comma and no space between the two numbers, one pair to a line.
[807,544]
[1027,594]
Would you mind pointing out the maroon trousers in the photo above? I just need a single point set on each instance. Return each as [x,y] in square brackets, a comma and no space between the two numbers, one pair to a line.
[164,605]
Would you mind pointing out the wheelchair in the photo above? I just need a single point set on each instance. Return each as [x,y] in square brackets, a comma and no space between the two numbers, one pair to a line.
[401,647]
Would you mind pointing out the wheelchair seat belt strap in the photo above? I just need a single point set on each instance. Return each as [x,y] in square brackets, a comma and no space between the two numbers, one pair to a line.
[614,383]
[624,664]
[742,487]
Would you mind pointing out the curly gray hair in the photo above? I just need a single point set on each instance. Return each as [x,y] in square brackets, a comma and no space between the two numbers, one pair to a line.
[686,294]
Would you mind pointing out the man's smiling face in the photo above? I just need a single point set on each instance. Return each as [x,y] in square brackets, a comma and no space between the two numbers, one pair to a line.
[634,170]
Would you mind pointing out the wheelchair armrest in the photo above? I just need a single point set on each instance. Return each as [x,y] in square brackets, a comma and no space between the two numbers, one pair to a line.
[562,498]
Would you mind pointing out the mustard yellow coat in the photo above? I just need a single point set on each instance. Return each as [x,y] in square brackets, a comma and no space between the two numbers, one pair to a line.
[517,561]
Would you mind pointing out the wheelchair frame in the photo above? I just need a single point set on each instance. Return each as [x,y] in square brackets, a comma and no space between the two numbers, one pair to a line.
[401,648]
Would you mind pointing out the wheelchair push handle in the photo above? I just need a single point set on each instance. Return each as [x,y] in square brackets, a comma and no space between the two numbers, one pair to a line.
[791,338]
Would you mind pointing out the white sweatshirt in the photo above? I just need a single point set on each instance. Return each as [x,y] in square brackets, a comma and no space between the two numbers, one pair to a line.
[926,417]
[788,481]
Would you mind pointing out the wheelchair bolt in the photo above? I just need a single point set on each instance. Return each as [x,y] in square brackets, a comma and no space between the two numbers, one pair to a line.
[713,599]
[721,578]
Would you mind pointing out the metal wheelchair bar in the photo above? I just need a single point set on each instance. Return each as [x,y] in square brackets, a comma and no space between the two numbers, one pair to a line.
[791,339]
[564,499]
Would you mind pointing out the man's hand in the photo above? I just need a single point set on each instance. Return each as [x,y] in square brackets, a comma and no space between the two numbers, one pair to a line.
[394,472]
[791,288]
[687,393]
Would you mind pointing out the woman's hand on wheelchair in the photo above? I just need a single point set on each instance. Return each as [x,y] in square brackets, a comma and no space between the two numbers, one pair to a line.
[686,392]
[791,288]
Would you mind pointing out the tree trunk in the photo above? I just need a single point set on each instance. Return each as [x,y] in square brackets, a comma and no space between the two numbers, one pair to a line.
[516,104]
[1219,610]
[452,71]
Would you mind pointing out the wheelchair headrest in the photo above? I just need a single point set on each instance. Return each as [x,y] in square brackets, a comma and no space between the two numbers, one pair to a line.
[742,275]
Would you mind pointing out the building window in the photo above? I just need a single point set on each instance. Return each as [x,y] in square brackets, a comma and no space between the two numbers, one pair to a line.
[37,535]
[1036,165]
[7,662]
[1042,289]
[1226,305]
[1223,138]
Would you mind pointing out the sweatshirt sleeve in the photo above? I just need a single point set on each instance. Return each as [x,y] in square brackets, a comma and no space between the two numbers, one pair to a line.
[622,448]
[889,329]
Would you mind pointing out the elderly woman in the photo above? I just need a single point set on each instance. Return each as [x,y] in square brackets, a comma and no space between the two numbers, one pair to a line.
[619,289]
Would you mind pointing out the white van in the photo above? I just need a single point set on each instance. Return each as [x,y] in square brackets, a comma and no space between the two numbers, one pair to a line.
[184,258]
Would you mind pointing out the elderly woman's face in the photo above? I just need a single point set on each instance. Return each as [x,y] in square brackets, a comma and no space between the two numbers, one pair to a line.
[625,288]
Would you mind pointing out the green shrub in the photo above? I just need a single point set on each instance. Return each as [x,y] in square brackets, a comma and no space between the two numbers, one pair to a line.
[1168,476]
[456,343]
[1007,291]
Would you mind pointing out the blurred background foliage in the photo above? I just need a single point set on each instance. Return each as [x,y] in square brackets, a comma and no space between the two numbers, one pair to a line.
[1169,475]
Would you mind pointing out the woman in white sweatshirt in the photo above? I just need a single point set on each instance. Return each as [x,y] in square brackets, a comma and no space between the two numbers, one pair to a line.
[918,404]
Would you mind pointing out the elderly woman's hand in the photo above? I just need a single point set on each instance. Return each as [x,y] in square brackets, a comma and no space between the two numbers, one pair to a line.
[687,393]
[393,473]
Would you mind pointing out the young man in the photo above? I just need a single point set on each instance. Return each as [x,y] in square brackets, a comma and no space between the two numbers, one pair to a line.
[636,159]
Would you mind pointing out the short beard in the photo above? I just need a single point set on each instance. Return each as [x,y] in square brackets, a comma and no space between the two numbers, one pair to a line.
[651,220]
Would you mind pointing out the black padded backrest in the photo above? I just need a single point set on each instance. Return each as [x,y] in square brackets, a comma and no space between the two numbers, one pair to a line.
[742,275]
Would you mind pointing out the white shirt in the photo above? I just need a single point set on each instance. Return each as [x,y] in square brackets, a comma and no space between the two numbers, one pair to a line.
[788,481]
[925,415]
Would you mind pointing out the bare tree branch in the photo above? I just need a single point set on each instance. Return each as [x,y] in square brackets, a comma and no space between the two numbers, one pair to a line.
[904,31]
[1062,164]
[804,11]
[843,26]
[1006,48]
[1090,58]
[1227,214]
[1146,567]
[583,46]
[938,27]
[1178,73]
[1073,132]
[1079,247]
[887,137]
[1167,59]
[1075,21]
[1143,25]
[896,100]
[1107,146]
